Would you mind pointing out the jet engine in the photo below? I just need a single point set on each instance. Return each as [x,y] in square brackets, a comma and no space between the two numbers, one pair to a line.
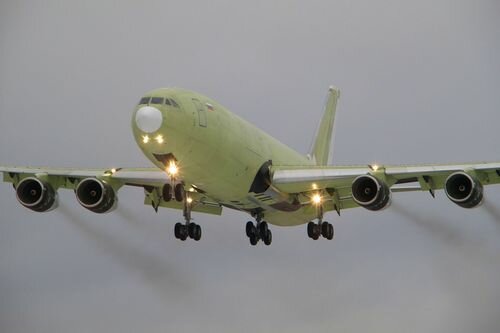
[36,194]
[371,193]
[96,195]
[464,190]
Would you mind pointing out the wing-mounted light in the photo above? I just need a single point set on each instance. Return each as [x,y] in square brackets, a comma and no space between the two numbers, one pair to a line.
[464,189]
[371,193]
[36,194]
[96,195]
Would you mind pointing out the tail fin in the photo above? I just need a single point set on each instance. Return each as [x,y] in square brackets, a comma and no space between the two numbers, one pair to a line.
[320,150]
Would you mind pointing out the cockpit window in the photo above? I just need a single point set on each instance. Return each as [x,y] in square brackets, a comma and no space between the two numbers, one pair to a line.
[167,101]
[174,103]
[157,100]
[145,100]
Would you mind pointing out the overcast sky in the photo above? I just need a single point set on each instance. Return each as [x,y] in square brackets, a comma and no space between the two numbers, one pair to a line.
[420,84]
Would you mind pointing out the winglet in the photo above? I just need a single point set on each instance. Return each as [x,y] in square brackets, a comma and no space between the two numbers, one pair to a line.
[320,151]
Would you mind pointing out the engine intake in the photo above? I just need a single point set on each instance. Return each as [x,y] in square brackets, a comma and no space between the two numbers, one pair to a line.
[36,195]
[464,190]
[96,195]
[370,193]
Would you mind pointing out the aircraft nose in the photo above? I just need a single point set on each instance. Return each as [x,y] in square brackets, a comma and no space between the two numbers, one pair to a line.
[148,119]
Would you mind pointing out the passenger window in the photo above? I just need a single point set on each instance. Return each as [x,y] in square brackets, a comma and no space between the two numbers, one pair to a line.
[157,100]
[144,100]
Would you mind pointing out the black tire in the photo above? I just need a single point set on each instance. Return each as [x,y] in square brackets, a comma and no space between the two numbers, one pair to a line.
[183,232]
[197,234]
[316,232]
[253,240]
[167,192]
[177,229]
[331,231]
[191,230]
[310,229]
[268,239]
[325,229]
[179,192]
[250,229]
[263,228]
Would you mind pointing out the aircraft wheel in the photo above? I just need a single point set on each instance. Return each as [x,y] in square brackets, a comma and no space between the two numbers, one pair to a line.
[263,229]
[179,192]
[268,237]
[191,230]
[324,229]
[177,230]
[250,229]
[310,229]
[316,231]
[181,231]
[197,233]
[331,232]
[167,192]
[253,240]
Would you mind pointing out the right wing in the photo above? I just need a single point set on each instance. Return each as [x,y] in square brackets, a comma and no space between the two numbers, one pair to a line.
[43,184]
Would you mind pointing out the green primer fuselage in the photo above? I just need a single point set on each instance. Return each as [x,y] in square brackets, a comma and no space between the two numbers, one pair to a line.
[217,151]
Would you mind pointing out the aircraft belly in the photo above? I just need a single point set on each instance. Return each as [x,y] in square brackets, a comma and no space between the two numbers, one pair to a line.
[301,216]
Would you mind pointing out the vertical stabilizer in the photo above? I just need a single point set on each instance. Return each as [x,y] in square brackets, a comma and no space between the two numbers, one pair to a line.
[320,150]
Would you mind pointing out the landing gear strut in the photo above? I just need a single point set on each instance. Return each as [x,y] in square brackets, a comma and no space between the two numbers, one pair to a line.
[259,231]
[321,228]
[174,189]
[189,228]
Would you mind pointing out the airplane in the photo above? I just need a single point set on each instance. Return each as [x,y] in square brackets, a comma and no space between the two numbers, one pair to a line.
[206,158]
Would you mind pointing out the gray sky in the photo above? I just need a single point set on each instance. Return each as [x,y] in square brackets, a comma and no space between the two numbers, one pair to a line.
[419,84]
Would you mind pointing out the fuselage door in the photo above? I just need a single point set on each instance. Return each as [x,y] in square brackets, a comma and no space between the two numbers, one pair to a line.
[202,113]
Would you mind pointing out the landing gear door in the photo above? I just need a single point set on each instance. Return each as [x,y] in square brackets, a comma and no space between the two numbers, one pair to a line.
[202,113]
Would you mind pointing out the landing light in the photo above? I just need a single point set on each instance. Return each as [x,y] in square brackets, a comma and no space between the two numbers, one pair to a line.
[172,169]
[189,200]
[159,139]
[316,199]
[145,138]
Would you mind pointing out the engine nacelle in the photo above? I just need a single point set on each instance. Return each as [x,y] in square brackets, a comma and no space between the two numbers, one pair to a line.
[371,193]
[464,190]
[96,195]
[36,195]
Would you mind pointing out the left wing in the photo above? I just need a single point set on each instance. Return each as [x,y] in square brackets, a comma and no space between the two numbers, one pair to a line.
[371,186]
[36,188]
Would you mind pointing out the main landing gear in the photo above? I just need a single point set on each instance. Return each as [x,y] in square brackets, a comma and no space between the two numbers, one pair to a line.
[321,228]
[259,231]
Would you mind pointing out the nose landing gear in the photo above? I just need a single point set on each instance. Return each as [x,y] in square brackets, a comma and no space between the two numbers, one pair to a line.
[189,228]
[174,189]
